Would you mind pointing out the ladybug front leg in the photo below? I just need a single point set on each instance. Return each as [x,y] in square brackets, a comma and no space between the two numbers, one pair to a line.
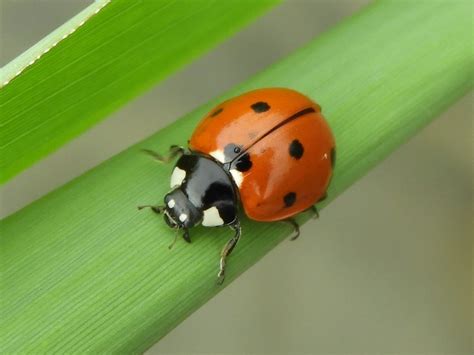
[227,250]
[174,151]
[186,236]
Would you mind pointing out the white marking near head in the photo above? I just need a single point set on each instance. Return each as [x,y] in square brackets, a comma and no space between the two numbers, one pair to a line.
[183,217]
[237,176]
[218,155]
[171,203]
[212,218]
[177,177]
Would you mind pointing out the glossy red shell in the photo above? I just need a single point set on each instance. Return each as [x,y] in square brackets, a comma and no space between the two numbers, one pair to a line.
[269,124]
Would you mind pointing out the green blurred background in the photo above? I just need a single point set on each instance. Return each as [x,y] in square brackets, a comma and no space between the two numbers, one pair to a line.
[387,268]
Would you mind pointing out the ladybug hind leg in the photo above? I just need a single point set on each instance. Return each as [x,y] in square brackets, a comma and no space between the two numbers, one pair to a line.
[296,227]
[173,152]
[314,211]
[227,250]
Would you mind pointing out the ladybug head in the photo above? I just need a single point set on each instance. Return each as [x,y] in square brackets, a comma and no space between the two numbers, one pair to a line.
[179,212]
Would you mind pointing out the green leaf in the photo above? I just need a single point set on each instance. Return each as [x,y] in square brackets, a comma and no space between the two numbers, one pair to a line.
[99,60]
[83,270]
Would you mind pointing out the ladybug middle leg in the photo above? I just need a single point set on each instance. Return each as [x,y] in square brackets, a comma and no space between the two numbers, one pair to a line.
[227,250]
[174,151]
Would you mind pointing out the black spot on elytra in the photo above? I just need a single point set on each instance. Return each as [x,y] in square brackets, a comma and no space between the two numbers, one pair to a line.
[260,107]
[333,157]
[216,112]
[296,149]
[289,199]
[244,163]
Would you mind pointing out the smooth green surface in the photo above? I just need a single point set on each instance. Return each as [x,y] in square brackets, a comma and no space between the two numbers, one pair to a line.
[83,270]
[115,55]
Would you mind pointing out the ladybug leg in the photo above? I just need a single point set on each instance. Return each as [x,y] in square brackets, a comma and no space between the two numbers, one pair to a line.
[174,151]
[227,250]
[186,236]
[314,211]
[296,227]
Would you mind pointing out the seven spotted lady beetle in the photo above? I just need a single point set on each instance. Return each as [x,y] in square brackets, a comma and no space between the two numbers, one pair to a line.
[269,150]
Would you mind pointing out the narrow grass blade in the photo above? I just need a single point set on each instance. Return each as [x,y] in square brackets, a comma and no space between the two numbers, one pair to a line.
[83,270]
[99,60]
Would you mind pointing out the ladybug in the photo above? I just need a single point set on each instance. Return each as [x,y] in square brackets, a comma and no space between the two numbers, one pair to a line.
[269,150]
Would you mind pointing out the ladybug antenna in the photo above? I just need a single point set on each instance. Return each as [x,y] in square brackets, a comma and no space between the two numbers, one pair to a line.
[156,209]
[176,235]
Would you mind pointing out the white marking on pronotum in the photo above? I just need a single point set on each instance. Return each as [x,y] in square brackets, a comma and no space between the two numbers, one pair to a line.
[177,177]
[212,218]
[183,217]
[9,78]
[218,155]
[237,176]
[171,203]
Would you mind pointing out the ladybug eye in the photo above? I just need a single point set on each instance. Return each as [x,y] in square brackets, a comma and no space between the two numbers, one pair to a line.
[231,151]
